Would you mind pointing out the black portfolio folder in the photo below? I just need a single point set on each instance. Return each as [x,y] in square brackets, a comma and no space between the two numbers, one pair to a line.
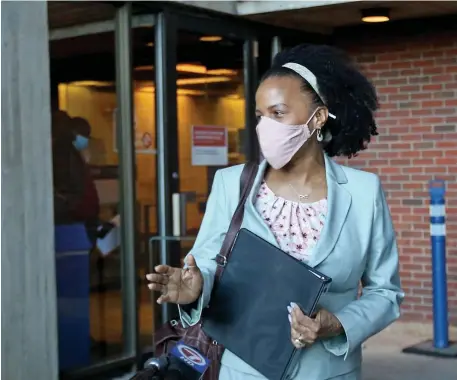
[248,307]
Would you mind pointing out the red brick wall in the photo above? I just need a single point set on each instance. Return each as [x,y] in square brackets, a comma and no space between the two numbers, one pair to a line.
[416,79]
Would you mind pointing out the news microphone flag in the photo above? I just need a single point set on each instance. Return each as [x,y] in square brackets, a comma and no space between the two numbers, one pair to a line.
[191,356]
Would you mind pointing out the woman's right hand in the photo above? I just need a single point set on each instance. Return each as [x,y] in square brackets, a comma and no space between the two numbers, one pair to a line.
[177,285]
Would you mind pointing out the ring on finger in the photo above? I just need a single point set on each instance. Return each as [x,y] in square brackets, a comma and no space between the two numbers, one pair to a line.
[300,341]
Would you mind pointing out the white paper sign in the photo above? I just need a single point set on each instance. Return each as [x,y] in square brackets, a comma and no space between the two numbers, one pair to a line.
[209,145]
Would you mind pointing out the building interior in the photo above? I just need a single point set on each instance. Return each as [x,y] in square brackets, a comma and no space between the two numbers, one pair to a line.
[210,92]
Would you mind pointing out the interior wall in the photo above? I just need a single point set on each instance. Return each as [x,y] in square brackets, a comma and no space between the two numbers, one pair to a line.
[98,107]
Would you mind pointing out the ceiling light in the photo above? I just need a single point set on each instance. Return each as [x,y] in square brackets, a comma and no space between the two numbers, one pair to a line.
[150,44]
[188,81]
[180,91]
[180,67]
[191,68]
[183,91]
[91,83]
[375,15]
[222,72]
[211,38]
[194,69]
[144,68]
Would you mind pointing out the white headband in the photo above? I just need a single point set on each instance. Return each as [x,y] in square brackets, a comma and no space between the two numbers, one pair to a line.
[308,76]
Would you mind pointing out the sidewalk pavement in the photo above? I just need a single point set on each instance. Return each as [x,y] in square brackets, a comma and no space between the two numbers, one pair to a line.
[383,358]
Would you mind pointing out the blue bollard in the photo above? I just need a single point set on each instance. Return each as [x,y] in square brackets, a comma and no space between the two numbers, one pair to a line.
[437,191]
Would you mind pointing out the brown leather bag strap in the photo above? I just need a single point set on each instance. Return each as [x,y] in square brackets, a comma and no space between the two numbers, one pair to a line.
[246,181]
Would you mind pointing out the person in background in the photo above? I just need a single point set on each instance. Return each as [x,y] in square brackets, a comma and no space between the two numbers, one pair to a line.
[81,131]
[66,176]
[88,207]
[76,197]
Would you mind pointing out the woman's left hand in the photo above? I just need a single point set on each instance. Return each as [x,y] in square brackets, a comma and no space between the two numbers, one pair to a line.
[305,330]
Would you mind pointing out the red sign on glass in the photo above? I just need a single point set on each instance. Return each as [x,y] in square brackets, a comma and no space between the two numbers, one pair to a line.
[209,145]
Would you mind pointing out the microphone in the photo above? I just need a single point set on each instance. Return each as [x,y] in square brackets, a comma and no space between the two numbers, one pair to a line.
[188,362]
[182,363]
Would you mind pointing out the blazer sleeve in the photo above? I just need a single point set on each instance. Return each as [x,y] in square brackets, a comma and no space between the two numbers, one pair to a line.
[379,304]
[207,245]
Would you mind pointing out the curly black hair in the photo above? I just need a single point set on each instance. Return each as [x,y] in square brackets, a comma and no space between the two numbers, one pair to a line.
[347,93]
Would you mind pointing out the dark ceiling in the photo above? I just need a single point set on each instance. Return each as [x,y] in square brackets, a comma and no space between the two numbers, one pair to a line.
[327,18]
[91,57]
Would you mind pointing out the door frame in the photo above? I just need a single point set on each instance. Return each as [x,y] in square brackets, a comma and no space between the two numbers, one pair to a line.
[166,43]
[121,25]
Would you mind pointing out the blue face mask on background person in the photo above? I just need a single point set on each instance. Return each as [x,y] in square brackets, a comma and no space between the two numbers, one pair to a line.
[81,142]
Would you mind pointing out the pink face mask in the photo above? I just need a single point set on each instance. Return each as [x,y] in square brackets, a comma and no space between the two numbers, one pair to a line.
[279,142]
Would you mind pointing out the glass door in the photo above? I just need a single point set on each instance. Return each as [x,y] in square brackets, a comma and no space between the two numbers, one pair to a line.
[205,121]
[94,66]
[211,113]
[86,191]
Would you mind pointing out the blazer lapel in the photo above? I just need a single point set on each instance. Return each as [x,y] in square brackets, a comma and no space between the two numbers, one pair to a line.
[339,201]
[252,219]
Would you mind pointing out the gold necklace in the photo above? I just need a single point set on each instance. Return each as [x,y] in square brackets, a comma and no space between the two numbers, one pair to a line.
[301,197]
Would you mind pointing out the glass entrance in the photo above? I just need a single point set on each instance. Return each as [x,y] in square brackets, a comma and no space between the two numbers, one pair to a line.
[211,116]
[205,121]
[97,323]
[83,85]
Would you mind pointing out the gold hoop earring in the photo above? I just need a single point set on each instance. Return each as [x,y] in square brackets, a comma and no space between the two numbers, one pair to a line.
[319,136]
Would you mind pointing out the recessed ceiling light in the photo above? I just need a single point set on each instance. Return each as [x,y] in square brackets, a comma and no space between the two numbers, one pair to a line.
[210,38]
[194,69]
[203,80]
[374,15]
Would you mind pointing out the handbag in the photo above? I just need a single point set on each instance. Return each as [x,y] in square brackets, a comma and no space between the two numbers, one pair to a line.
[166,337]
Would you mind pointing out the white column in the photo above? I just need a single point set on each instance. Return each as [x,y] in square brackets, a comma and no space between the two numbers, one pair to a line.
[28,299]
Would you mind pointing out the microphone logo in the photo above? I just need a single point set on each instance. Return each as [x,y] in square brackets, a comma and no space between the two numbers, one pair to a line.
[190,356]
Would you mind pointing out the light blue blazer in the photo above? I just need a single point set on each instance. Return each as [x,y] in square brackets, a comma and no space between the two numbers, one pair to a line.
[357,243]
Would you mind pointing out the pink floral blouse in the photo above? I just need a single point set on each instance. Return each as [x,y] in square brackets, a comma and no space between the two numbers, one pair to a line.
[296,226]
